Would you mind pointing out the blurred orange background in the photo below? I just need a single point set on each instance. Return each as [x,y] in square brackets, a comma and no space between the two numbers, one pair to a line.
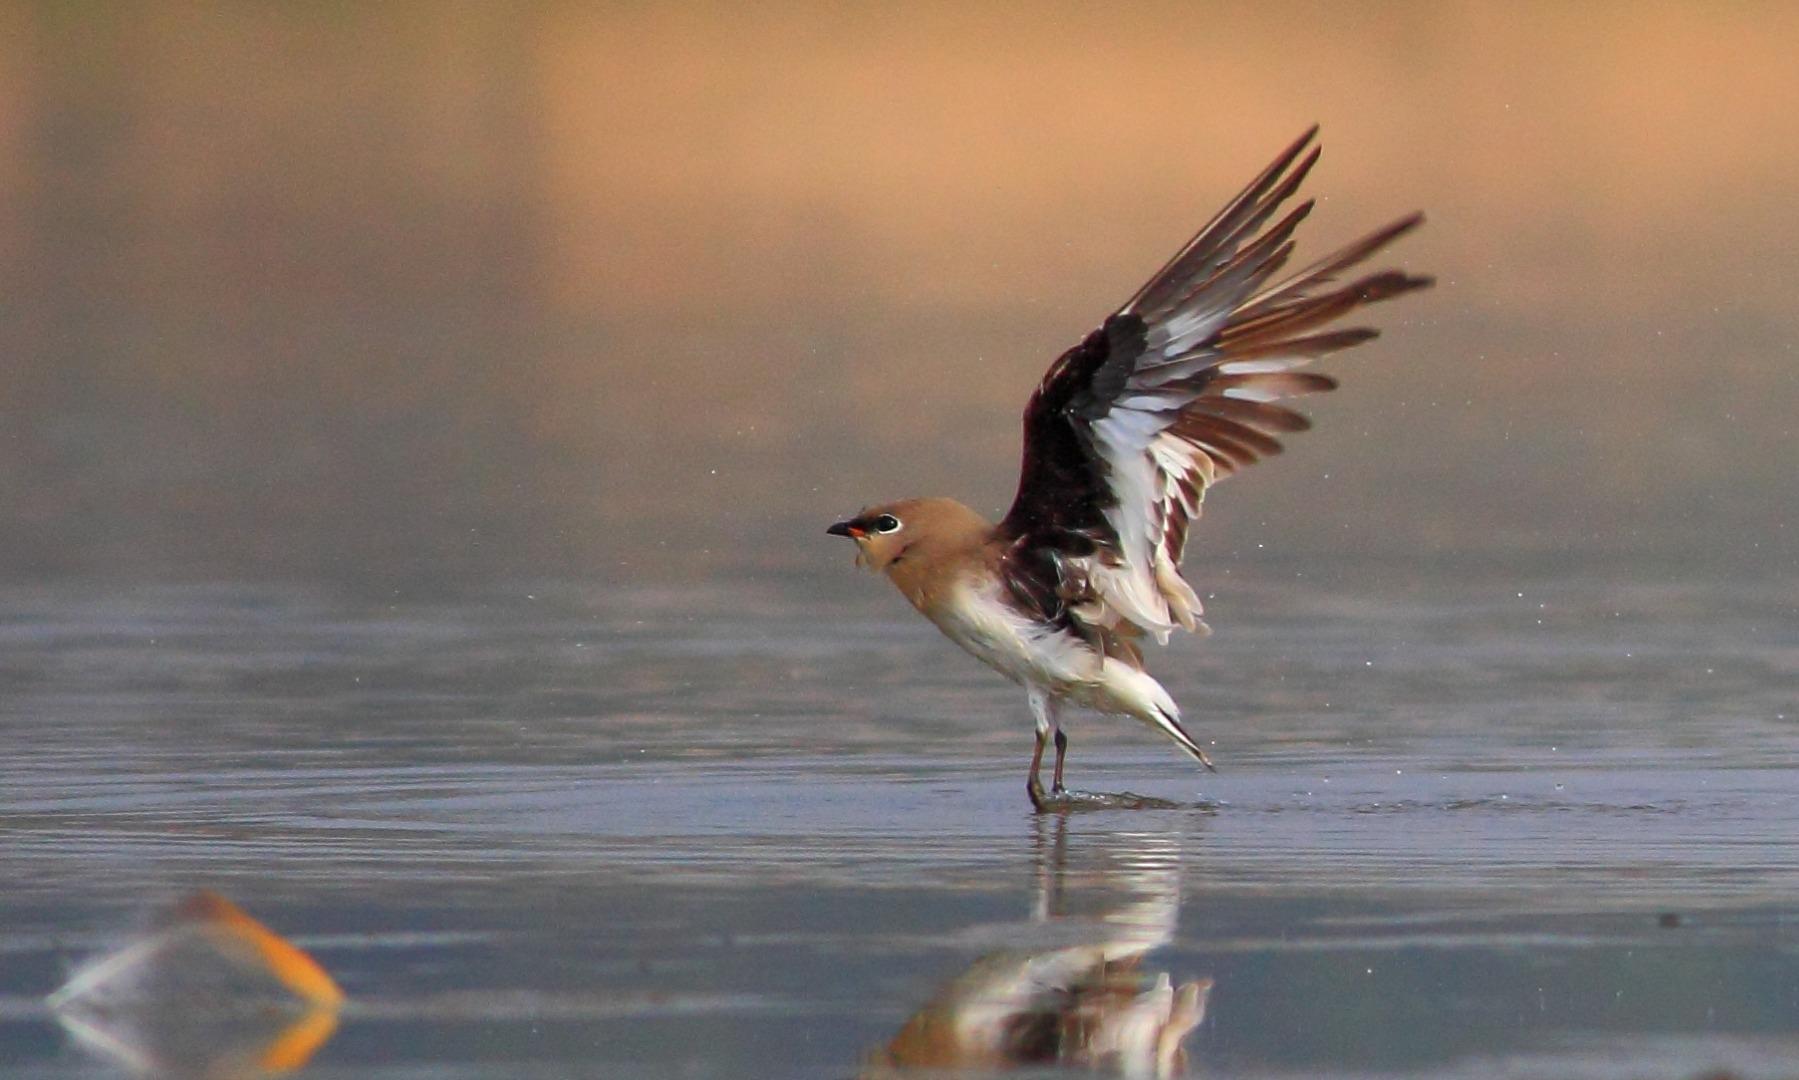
[488,290]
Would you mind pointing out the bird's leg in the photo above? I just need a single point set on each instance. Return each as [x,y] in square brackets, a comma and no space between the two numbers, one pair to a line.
[1058,799]
[1033,786]
[1043,711]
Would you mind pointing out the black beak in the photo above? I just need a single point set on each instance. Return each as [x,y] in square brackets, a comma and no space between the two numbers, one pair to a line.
[842,528]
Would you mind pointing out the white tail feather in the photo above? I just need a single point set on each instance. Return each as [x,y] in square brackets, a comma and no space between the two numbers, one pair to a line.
[1134,693]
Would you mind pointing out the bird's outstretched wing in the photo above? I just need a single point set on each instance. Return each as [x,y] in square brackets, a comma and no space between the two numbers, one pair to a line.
[1172,394]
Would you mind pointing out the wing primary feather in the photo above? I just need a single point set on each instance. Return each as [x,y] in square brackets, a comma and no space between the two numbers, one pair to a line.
[1258,414]
[1199,427]
[1269,386]
[1304,348]
[1325,270]
[1222,255]
[1233,211]
[1304,313]
[1185,313]
[1192,313]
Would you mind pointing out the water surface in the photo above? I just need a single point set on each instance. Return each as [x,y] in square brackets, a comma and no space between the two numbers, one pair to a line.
[1462,825]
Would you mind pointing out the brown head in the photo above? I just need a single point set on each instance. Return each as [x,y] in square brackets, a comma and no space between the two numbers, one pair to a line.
[912,532]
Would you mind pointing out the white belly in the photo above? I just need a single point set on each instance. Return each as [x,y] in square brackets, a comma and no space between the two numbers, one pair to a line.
[1060,662]
[1004,639]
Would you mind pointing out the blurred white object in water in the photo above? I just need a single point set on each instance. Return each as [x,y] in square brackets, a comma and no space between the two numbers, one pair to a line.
[207,992]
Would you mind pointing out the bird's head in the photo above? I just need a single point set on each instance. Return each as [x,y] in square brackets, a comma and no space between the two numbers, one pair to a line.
[887,534]
[880,534]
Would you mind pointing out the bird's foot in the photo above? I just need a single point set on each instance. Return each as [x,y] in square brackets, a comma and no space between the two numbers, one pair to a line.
[1063,800]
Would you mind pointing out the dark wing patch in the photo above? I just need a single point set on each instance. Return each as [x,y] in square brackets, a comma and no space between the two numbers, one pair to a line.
[1053,592]
[1064,494]
[1034,581]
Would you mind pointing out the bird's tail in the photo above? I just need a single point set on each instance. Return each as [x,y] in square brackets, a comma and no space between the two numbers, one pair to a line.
[1170,725]
[1135,693]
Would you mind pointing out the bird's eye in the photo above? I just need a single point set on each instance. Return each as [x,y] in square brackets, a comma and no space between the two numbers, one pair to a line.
[887,523]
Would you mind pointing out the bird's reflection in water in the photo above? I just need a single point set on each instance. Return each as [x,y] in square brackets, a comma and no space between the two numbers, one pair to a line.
[1087,1002]
[207,994]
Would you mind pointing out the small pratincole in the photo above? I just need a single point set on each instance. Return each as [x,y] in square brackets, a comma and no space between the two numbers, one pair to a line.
[1124,436]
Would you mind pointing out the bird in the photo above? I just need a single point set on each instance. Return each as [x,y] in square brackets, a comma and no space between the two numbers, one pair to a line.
[1125,435]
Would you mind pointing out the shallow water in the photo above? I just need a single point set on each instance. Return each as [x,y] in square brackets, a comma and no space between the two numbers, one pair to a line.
[1465,823]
